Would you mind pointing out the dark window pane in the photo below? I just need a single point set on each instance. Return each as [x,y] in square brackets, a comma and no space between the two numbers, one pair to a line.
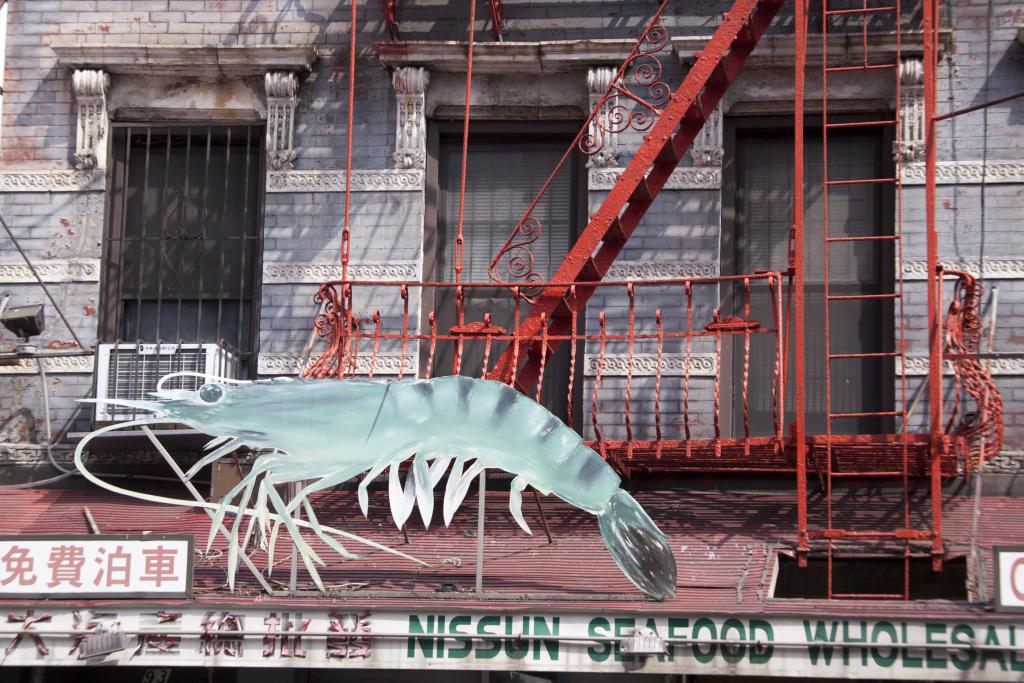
[186,239]
[764,196]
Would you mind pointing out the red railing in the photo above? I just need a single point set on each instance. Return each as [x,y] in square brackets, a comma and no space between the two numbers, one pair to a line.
[647,366]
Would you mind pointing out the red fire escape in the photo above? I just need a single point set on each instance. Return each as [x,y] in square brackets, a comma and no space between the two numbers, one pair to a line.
[638,440]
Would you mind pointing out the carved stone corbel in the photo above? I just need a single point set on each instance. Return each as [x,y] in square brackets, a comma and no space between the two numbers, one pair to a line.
[90,86]
[281,87]
[410,85]
[911,111]
[603,135]
[707,148]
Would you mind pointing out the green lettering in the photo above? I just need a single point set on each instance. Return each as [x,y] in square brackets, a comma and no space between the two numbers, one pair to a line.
[491,647]
[876,652]
[905,659]
[699,654]
[599,628]
[820,635]
[762,652]
[962,634]
[517,649]
[426,644]
[848,637]
[733,653]
[465,645]
[992,638]
[540,628]
[932,660]
[1015,664]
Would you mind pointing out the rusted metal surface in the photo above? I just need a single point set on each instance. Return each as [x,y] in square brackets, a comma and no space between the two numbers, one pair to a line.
[666,142]
[637,80]
[497,19]
[361,323]
[388,9]
[727,544]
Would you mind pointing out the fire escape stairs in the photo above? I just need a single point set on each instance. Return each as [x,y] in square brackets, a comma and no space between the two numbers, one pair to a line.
[611,226]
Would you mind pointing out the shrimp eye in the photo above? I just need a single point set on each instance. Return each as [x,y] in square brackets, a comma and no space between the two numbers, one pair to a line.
[211,393]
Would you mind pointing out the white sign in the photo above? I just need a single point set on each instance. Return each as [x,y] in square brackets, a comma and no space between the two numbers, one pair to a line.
[1010,579]
[100,565]
[513,638]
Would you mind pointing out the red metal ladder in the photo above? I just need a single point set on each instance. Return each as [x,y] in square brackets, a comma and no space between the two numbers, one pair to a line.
[627,202]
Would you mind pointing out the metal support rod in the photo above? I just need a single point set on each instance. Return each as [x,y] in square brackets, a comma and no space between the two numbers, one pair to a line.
[799,394]
[543,517]
[198,496]
[976,107]
[935,361]
[481,506]
[39,279]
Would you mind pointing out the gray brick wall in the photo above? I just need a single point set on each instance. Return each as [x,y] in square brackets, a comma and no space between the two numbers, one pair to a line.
[304,227]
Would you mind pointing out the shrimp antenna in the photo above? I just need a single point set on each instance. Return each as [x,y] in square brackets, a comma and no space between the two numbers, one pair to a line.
[202,375]
[238,510]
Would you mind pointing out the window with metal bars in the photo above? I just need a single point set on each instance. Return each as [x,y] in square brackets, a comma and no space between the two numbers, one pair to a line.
[184,239]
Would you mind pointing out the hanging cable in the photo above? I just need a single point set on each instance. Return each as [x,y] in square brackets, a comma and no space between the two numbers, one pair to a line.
[459,241]
[345,233]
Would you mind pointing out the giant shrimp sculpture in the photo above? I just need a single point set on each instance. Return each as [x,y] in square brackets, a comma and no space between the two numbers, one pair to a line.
[330,431]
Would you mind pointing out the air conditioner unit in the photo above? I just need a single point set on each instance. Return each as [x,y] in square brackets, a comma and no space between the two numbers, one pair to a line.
[131,371]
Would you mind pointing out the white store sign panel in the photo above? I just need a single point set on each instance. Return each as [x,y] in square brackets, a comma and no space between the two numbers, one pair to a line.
[1010,579]
[350,638]
[96,566]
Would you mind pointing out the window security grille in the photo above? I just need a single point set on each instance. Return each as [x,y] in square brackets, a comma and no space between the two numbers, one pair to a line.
[182,257]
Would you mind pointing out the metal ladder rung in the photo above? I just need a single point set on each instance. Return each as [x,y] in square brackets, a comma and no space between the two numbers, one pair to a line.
[862,10]
[860,181]
[862,67]
[866,238]
[857,297]
[880,413]
[861,124]
[880,354]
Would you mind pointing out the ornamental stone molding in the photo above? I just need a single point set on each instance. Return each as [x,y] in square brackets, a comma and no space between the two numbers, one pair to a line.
[910,147]
[317,273]
[410,84]
[681,179]
[51,181]
[660,270]
[1011,462]
[967,172]
[602,133]
[995,269]
[72,270]
[707,149]
[52,365]
[281,88]
[90,87]
[917,365]
[646,365]
[334,181]
[388,364]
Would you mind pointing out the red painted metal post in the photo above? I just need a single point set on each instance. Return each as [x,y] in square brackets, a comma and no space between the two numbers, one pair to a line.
[799,64]
[930,16]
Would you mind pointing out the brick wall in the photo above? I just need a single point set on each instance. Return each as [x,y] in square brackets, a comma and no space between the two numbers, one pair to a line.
[683,226]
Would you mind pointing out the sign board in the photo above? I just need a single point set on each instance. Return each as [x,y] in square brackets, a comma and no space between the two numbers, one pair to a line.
[1010,579]
[99,565]
[344,636]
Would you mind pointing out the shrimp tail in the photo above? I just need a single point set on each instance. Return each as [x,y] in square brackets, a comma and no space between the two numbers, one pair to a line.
[639,548]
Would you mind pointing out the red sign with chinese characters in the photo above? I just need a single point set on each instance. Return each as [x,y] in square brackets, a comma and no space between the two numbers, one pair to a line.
[150,565]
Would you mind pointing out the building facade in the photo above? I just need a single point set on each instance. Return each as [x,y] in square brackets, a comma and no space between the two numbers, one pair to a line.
[182,178]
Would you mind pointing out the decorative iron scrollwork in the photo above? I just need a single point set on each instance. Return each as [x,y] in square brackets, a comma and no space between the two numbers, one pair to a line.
[638,80]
